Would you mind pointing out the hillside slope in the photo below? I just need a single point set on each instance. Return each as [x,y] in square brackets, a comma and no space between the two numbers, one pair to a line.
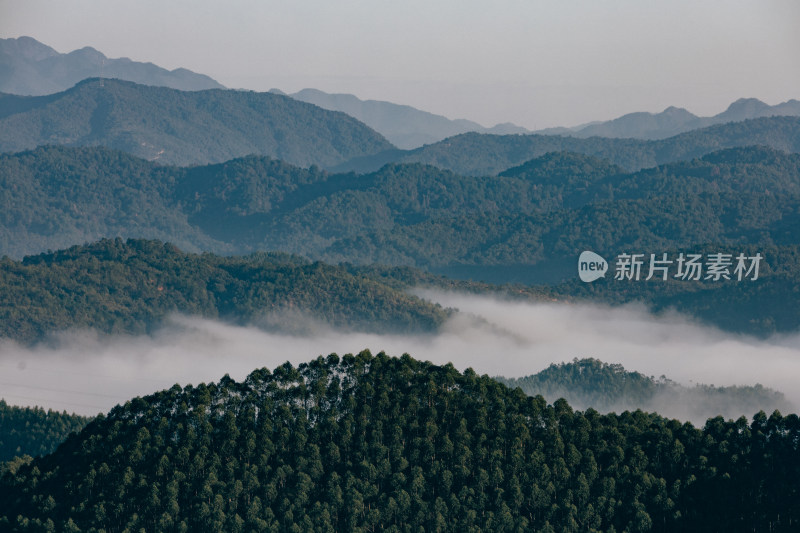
[130,287]
[476,154]
[185,127]
[361,442]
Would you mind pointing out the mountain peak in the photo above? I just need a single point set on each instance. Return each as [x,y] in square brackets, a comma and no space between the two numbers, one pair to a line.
[676,111]
[742,109]
[27,48]
[87,54]
[35,69]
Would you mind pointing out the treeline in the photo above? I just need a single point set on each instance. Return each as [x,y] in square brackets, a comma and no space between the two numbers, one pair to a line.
[590,383]
[117,286]
[32,431]
[363,442]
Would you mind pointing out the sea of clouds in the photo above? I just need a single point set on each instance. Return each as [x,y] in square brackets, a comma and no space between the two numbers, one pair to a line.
[87,373]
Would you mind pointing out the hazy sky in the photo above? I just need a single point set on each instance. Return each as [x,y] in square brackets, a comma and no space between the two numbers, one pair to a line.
[535,63]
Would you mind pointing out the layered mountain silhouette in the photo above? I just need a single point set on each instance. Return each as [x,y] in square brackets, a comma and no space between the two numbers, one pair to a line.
[408,128]
[674,120]
[526,225]
[405,126]
[185,127]
[478,154]
[28,67]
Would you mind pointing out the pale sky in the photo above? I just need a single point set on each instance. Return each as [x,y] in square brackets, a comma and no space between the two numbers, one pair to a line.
[535,63]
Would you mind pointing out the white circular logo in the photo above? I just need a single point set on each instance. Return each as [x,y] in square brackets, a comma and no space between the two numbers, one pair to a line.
[591,266]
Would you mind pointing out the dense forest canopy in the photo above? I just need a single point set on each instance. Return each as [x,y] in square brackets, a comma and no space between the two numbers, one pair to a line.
[363,442]
[32,431]
[533,217]
[116,286]
[605,387]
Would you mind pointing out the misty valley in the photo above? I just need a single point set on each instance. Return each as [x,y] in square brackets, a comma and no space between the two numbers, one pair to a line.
[232,310]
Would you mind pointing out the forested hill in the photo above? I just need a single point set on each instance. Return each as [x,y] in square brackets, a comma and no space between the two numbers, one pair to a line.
[608,387]
[550,208]
[33,431]
[477,154]
[527,225]
[185,127]
[130,287]
[357,443]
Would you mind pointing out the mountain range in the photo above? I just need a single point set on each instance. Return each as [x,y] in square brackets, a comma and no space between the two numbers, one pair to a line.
[31,68]
[409,128]
[478,154]
[211,126]
[525,225]
[363,442]
[674,120]
[403,125]
[184,127]
[130,287]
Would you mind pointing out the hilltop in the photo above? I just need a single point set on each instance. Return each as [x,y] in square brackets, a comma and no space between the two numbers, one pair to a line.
[117,287]
[354,442]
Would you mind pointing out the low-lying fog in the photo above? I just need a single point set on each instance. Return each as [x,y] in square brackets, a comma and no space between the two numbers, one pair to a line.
[87,373]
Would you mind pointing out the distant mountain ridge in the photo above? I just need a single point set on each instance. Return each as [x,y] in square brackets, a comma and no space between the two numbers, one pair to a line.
[673,121]
[404,126]
[477,154]
[185,127]
[31,68]
[409,128]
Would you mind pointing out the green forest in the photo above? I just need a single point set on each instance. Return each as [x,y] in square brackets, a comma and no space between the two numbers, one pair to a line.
[132,286]
[124,205]
[526,225]
[32,431]
[412,214]
[363,442]
[533,215]
[607,387]
[117,286]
